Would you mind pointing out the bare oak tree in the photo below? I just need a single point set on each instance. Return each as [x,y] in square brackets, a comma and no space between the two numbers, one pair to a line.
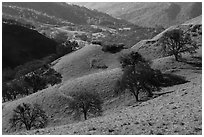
[175,42]
[86,103]
[29,117]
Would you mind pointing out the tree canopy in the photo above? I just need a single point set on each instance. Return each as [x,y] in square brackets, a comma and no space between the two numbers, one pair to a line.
[176,41]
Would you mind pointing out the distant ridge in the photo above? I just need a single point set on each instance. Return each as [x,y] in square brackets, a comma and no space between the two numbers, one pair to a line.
[149,14]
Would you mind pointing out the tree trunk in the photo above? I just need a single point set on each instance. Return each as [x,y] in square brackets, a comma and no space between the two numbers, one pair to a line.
[4,100]
[27,92]
[176,57]
[14,96]
[85,115]
[135,94]
[28,127]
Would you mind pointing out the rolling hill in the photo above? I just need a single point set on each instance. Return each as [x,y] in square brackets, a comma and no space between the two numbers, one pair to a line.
[145,47]
[149,14]
[78,63]
[122,115]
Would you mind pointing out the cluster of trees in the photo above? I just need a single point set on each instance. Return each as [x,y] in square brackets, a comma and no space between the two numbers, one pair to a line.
[24,24]
[30,83]
[66,47]
[33,75]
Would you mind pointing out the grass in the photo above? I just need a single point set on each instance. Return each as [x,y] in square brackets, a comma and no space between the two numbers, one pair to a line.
[77,64]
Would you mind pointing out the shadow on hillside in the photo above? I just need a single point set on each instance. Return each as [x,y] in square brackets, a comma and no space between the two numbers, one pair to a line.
[168,79]
[195,62]
[165,80]
[162,93]
[155,95]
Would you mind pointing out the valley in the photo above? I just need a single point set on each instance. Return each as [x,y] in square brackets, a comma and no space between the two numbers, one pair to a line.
[83,48]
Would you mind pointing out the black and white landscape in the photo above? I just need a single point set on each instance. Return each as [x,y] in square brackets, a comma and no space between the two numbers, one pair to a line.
[88,68]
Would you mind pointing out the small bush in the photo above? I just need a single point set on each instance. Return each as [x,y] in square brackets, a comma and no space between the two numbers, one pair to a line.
[112,48]
[29,117]
[96,63]
[83,37]
[194,34]
[195,28]
[200,32]
[97,42]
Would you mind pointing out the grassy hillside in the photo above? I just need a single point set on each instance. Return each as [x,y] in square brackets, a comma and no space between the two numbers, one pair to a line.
[149,13]
[78,63]
[178,112]
[150,48]
[168,113]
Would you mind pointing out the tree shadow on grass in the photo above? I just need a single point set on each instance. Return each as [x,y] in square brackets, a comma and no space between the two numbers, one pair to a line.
[165,80]
[195,62]
[168,79]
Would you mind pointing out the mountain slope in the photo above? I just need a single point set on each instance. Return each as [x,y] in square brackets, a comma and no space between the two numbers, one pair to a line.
[21,44]
[45,12]
[149,13]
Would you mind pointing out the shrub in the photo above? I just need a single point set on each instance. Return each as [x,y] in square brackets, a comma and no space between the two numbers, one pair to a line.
[86,103]
[29,117]
[96,63]
[195,28]
[112,48]
[5,92]
[66,47]
[83,37]
[7,74]
[97,42]
[175,42]
[52,77]
[194,34]
[35,81]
